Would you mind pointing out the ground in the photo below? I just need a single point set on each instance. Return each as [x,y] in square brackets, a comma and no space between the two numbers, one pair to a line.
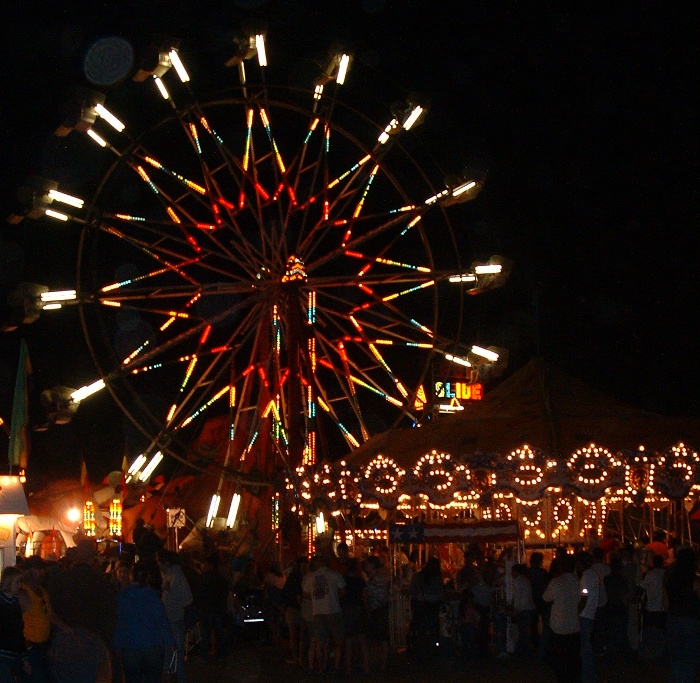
[251,662]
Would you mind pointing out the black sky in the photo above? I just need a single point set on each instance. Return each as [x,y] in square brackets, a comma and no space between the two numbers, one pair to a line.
[584,116]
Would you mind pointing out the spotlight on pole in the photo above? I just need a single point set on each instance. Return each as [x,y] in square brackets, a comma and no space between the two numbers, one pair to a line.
[153,63]
[79,111]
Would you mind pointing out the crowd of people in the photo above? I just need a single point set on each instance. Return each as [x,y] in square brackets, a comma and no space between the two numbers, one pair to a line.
[590,607]
[69,621]
[131,618]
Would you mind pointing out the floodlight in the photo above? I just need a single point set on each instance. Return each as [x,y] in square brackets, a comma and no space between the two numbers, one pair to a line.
[64,295]
[64,198]
[488,354]
[320,523]
[110,118]
[233,510]
[491,274]
[153,63]
[178,65]
[148,471]
[413,117]
[135,467]
[343,66]
[213,509]
[489,269]
[56,214]
[161,88]
[97,138]
[80,111]
[260,47]
[458,360]
[460,189]
[88,390]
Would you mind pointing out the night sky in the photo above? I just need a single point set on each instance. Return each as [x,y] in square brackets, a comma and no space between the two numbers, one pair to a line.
[583,119]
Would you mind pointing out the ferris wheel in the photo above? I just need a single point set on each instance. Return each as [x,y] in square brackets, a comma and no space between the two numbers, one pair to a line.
[273,255]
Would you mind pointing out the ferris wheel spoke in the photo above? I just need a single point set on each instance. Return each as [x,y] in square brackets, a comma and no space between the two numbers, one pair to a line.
[238,172]
[167,268]
[168,204]
[207,378]
[359,376]
[214,372]
[158,248]
[341,309]
[212,188]
[368,349]
[355,243]
[182,218]
[301,171]
[339,206]
[344,382]
[157,312]
[186,335]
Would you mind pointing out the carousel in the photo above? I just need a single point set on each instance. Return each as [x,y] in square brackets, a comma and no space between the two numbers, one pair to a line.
[587,465]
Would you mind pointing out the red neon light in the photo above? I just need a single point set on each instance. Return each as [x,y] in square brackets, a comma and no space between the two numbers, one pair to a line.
[261,192]
[193,242]
[205,335]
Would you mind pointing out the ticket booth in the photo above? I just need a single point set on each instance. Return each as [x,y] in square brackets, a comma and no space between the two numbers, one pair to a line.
[13,503]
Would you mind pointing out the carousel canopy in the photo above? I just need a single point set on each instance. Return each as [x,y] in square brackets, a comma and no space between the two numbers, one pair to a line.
[540,406]
[539,431]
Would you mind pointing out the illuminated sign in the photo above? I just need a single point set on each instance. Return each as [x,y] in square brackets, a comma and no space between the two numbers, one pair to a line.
[461,391]
[452,395]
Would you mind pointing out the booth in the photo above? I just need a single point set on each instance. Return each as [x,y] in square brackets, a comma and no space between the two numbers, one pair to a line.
[13,503]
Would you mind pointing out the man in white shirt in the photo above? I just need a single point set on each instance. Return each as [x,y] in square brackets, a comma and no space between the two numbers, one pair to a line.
[653,585]
[588,604]
[325,587]
[523,608]
[602,569]
[563,592]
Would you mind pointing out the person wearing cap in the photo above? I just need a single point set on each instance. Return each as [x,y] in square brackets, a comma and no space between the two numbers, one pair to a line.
[37,617]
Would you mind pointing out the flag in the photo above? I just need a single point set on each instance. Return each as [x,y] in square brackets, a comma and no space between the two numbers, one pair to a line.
[406,533]
[19,432]
[122,481]
[84,481]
